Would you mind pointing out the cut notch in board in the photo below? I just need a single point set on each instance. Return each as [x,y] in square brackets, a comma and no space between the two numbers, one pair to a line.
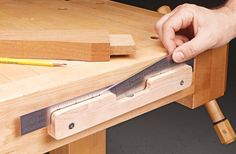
[93,45]
[121,44]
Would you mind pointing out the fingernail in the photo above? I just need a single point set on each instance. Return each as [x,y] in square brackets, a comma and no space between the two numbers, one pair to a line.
[178,56]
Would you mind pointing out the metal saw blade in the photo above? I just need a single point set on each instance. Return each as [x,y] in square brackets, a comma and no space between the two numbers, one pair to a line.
[137,82]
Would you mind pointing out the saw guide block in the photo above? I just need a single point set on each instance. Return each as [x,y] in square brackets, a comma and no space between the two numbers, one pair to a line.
[80,116]
[92,45]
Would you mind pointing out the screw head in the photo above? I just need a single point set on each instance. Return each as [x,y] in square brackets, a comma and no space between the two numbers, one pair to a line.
[71,125]
[129,95]
[182,82]
[224,131]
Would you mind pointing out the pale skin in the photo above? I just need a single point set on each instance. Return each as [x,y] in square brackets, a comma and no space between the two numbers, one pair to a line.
[210,28]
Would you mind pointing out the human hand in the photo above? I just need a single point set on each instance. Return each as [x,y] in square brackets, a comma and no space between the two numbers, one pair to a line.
[190,30]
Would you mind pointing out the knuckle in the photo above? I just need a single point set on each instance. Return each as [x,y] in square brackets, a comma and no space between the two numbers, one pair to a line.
[183,6]
[187,7]
[180,7]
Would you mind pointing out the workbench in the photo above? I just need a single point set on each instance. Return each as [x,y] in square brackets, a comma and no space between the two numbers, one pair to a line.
[24,89]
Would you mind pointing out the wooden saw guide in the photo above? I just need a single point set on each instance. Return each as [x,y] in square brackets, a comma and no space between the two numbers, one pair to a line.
[70,117]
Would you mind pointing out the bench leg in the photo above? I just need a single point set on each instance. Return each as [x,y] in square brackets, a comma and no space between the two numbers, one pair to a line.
[222,125]
[93,144]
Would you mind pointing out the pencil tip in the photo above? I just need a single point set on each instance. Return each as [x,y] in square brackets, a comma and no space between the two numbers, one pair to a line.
[59,64]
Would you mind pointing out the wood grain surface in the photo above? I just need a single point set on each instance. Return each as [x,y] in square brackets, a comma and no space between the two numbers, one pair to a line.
[24,89]
[93,144]
[81,44]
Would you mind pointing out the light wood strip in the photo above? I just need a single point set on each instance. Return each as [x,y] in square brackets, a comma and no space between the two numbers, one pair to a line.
[93,144]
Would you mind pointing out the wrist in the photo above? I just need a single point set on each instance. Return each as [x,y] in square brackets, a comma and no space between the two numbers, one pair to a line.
[228,12]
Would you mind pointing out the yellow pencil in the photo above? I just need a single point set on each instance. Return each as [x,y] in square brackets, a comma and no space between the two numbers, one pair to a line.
[34,62]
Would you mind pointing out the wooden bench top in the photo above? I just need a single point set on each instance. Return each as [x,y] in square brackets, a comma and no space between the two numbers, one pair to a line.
[22,81]
[24,89]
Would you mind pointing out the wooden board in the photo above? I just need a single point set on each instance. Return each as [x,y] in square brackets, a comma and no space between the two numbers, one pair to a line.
[93,144]
[86,45]
[122,45]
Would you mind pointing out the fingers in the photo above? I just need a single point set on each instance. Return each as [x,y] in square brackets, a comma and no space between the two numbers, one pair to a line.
[161,21]
[191,48]
[207,30]
[172,23]
[180,39]
[179,20]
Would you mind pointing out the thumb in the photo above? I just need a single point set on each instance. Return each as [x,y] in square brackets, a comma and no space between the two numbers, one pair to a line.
[191,48]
